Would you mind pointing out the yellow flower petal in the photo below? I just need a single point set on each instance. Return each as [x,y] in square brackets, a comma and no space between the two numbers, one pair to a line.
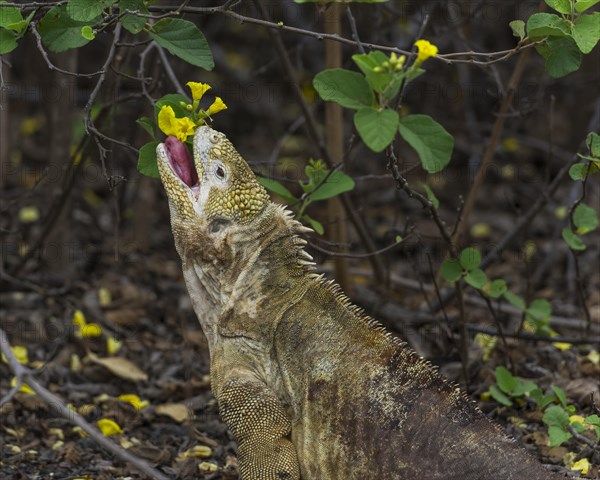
[91,330]
[113,345]
[134,400]
[576,418]
[425,50]
[108,427]
[582,465]
[20,353]
[185,128]
[24,388]
[167,121]
[217,106]
[79,318]
[562,345]
[198,90]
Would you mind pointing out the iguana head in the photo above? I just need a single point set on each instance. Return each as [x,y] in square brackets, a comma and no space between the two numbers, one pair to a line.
[210,195]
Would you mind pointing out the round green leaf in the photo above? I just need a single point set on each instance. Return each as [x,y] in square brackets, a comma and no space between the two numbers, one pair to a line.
[431,141]
[578,171]
[60,32]
[562,6]
[540,309]
[592,142]
[8,41]
[476,278]
[377,128]
[133,23]
[87,32]
[147,160]
[541,25]
[518,28]
[585,218]
[583,5]
[495,289]
[499,396]
[349,89]
[451,270]
[557,436]
[470,258]
[183,39]
[86,10]
[562,56]
[573,240]
[556,416]
[9,16]
[586,32]
[505,380]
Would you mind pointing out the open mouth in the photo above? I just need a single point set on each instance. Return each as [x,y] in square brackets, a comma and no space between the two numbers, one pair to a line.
[181,162]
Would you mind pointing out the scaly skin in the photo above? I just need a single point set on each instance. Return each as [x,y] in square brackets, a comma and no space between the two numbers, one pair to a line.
[310,387]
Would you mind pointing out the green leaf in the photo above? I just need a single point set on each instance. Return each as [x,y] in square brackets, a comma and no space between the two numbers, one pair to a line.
[560,394]
[147,160]
[8,41]
[556,416]
[562,56]
[495,289]
[541,25]
[431,141]
[470,258]
[174,101]
[572,239]
[593,143]
[514,300]
[314,224]
[562,6]
[523,387]
[277,188]
[9,16]
[499,396]
[518,28]
[86,10]
[542,400]
[578,171]
[87,32]
[505,380]
[431,196]
[476,278]
[586,32]
[585,218]
[451,270]
[183,39]
[377,128]
[132,23]
[367,64]
[349,89]
[147,124]
[557,436]
[336,183]
[540,309]
[60,32]
[592,420]
[583,5]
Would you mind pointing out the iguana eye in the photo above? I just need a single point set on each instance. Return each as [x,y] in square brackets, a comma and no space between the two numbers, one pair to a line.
[217,225]
[220,173]
[214,138]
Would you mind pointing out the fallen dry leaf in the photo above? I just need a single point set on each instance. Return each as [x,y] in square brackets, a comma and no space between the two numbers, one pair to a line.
[177,411]
[120,366]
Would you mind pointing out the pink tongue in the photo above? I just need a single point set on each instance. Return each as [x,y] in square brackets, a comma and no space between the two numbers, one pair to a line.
[181,161]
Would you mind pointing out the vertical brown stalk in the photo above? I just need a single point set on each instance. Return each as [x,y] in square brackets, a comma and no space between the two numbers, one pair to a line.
[334,129]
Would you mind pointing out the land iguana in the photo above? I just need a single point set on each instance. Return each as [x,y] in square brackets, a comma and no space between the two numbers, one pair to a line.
[310,387]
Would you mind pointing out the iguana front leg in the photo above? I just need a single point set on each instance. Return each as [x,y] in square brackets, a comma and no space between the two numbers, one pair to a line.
[260,425]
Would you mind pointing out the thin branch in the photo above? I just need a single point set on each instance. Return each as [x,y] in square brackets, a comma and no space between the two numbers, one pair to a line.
[353,29]
[355,255]
[57,404]
[169,69]
[51,66]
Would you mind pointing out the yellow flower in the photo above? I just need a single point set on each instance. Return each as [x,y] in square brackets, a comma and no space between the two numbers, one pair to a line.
[113,345]
[91,330]
[425,51]
[576,418]
[562,345]
[217,106]
[171,125]
[134,400]
[198,90]
[583,465]
[79,318]
[108,427]
[20,354]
